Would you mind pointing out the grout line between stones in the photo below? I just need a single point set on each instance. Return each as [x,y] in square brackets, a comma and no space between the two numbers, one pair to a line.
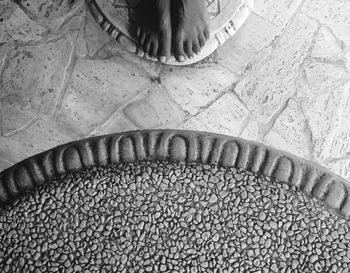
[22,128]
[119,110]
[66,80]
[264,128]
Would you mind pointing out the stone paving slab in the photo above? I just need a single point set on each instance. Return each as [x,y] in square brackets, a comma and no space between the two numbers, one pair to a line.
[283,80]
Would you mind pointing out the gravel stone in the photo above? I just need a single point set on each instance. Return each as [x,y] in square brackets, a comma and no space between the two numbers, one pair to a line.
[167,217]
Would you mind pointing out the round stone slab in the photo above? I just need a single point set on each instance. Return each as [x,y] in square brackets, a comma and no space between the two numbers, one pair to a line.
[116,17]
[172,201]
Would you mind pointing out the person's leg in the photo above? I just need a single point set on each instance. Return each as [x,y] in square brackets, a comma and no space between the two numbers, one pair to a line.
[154,28]
[190,27]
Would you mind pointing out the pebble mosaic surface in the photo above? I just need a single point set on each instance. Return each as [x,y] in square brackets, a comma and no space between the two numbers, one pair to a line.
[167,217]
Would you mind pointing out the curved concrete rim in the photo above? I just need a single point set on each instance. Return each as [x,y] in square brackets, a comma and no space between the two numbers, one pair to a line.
[222,27]
[176,146]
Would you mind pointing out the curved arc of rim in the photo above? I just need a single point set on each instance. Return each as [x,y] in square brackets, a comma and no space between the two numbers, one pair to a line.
[176,146]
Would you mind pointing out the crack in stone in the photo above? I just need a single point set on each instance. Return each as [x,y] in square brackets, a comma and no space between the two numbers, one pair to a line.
[119,110]
[29,14]
[69,68]
[345,156]
[66,81]
[4,65]
[265,128]
[308,135]
[22,128]
[73,13]
[178,106]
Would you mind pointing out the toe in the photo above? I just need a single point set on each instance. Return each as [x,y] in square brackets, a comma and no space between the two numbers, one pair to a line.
[206,33]
[140,51]
[138,32]
[179,49]
[147,44]
[201,39]
[142,37]
[188,46]
[195,46]
[165,46]
[153,48]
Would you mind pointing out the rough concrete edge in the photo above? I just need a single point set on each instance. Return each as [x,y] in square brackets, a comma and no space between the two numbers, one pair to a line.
[217,39]
[177,146]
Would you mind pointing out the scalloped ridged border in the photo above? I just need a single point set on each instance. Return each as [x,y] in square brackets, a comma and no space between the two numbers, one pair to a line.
[220,33]
[178,146]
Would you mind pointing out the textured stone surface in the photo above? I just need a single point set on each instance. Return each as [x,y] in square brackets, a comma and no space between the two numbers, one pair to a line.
[324,77]
[117,123]
[226,115]
[287,51]
[95,85]
[336,143]
[38,136]
[194,88]
[326,114]
[271,80]
[162,217]
[154,110]
[279,12]
[49,13]
[328,12]
[35,77]
[289,132]
[254,36]
[16,25]
[327,46]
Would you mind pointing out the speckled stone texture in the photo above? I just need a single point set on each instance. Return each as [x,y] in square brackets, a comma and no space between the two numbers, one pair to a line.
[170,217]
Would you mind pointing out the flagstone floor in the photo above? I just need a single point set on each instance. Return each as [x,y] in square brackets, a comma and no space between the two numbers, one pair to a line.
[283,80]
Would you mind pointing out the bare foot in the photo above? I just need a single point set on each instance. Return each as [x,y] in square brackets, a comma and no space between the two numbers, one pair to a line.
[154,28]
[190,26]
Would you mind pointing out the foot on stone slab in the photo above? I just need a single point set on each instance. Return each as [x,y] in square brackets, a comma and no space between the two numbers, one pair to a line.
[190,27]
[154,28]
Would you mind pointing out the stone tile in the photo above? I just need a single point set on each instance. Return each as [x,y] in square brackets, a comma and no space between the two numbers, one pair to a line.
[324,114]
[3,54]
[118,123]
[35,74]
[194,87]
[225,116]
[42,135]
[327,46]
[15,114]
[251,131]
[93,37]
[347,60]
[288,131]
[154,110]
[328,12]
[126,49]
[99,88]
[279,12]
[271,80]
[240,50]
[342,32]
[339,167]
[323,77]
[4,164]
[335,14]
[337,144]
[49,13]
[16,25]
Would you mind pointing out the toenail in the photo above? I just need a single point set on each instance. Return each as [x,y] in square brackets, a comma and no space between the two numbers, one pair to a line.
[181,58]
[162,59]
[140,53]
